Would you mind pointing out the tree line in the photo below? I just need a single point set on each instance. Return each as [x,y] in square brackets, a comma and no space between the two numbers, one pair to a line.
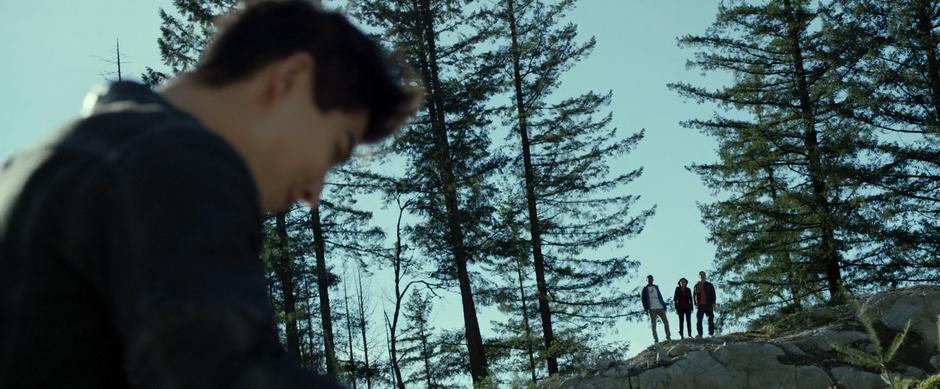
[828,170]
[504,193]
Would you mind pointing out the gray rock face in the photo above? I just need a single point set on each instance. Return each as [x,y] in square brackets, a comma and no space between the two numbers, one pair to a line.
[745,365]
[604,364]
[792,349]
[739,365]
[801,358]
[677,350]
[857,379]
[821,339]
[662,356]
[919,304]
[699,370]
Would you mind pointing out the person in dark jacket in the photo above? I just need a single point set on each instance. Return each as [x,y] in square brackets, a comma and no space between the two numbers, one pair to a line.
[683,300]
[704,297]
[130,239]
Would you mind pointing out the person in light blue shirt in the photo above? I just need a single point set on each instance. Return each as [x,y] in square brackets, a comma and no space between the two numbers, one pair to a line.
[655,306]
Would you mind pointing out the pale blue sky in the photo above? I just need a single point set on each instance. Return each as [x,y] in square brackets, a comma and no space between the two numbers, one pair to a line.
[54,51]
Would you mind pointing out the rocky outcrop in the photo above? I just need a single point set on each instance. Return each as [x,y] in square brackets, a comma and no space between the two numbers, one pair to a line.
[789,352]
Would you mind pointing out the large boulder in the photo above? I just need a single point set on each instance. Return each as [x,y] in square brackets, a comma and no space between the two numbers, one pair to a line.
[920,305]
[792,352]
[854,378]
[737,365]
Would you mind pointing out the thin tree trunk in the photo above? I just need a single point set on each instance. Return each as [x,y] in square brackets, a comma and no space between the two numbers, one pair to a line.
[811,143]
[310,333]
[362,327]
[393,327]
[117,45]
[785,255]
[478,364]
[388,349]
[535,228]
[323,288]
[525,323]
[353,370]
[286,276]
[426,356]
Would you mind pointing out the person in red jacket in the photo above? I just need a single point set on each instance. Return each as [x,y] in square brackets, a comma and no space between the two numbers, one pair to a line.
[683,301]
[704,297]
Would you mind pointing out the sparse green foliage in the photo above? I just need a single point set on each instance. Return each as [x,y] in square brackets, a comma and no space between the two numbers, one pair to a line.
[896,343]
[933,382]
[881,358]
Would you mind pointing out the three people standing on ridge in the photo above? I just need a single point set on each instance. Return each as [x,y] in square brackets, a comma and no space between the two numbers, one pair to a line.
[701,296]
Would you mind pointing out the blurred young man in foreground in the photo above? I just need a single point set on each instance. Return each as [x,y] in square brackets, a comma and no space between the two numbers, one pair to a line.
[129,240]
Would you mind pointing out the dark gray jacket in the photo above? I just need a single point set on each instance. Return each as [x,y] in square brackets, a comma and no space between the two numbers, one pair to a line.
[129,246]
[709,290]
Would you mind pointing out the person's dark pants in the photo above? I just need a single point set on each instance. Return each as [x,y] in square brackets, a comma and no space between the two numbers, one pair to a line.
[687,315]
[705,310]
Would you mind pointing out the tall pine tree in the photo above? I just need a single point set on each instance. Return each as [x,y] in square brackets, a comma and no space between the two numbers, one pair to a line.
[575,204]
[341,231]
[792,209]
[447,148]
[895,92]
[515,295]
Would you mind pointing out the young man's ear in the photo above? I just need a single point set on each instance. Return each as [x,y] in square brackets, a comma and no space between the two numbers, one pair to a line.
[288,75]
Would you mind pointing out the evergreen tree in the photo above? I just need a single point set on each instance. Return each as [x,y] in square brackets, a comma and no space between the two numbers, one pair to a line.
[184,37]
[325,279]
[368,370]
[286,275]
[287,268]
[575,204]
[514,295]
[352,367]
[433,359]
[118,60]
[755,244]
[313,351]
[449,160]
[894,91]
[788,164]
[342,231]
[402,266]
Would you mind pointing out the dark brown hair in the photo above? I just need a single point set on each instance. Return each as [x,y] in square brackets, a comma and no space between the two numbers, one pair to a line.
[351,71]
